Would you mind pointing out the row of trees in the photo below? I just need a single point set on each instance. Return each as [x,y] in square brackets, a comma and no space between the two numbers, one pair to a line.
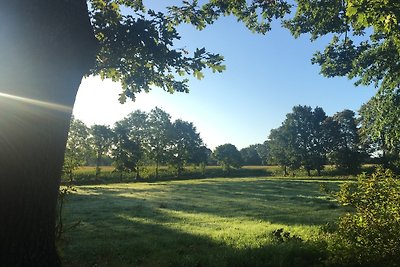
[307,138]
[137,140]
[143,139]
[310,139]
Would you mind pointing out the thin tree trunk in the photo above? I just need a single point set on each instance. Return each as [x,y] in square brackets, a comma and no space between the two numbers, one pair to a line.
[203,169]
[137,173]
[98,164]
[179,171]
[157,169]
[45,49]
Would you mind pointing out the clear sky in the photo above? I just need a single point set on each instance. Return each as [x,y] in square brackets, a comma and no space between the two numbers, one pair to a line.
[265,77]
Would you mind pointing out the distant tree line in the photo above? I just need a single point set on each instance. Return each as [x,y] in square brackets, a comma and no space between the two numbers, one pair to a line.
[310,139]
[307,139]
[138,140]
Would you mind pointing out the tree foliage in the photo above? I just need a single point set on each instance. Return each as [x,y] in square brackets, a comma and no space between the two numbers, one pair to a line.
[369,236]
[380,128]
[365,38]
[346,153]
[365,46]
[282,149]
[140,139]
[228,156]
[262,151]
[309,138]
[78,148]
[185,145]
[160,136]
[250,156]
[101,140]
[301,140]
[137,133]
[137,44]
[126,152]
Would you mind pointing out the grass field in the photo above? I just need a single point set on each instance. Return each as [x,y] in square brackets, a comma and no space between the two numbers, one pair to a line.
[206,222]
[86,175]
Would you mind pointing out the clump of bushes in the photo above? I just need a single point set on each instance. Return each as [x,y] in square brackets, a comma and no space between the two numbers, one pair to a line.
[369,235]
[279,235]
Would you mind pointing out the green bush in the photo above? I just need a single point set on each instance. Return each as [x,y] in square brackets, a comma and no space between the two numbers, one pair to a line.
[370,234]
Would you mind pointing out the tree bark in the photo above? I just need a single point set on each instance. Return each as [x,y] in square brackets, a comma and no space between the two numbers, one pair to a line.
[46,46]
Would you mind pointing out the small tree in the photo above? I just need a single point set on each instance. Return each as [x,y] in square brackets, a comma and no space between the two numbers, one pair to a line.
[125,152]
[160,135]
[346,153]
[77,149]
[201,157]
[250,156]
[281,149]
[300,141]
[228,157]
[184,144]
[101,140]
[262,151]
[138,132]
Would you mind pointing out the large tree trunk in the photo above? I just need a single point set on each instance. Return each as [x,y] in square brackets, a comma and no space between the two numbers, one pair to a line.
[46,46]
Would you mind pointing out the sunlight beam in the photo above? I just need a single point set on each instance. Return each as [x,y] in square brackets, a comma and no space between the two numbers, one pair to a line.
[39,103]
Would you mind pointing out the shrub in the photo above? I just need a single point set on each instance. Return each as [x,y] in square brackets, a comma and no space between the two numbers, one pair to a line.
[369,236]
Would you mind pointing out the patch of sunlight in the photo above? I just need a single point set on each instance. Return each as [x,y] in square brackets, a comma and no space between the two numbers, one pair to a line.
[234,232]
[230,232]
[137,219]
[86,191]
[312,197]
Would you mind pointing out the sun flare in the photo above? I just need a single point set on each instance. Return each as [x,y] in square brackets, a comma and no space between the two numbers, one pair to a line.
[39,103]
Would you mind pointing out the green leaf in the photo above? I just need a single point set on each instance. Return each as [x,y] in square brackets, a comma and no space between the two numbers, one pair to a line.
[198,74]
[122,98]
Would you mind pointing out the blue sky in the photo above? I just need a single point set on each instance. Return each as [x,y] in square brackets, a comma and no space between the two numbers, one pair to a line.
[265,77]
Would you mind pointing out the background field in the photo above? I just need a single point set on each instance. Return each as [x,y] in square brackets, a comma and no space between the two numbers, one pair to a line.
[86,175]
[206,222]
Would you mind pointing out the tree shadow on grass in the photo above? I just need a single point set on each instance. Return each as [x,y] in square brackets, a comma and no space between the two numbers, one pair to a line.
[138,226]
[122,240]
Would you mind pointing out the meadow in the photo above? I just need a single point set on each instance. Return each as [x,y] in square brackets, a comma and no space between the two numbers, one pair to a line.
[86,175]
[199,222]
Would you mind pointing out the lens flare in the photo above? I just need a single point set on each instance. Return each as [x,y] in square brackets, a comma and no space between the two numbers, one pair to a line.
[39,103]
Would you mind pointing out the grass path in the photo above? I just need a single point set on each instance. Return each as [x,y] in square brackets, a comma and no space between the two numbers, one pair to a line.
[206,222]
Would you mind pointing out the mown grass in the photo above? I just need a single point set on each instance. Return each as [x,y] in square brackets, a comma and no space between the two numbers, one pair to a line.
[206,222]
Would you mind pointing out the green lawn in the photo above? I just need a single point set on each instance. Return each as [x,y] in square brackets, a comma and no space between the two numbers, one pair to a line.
[205,222]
